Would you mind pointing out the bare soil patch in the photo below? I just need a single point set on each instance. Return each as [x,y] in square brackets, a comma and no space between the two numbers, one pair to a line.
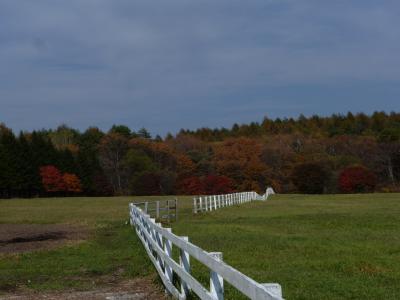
[135,289]
[17,238]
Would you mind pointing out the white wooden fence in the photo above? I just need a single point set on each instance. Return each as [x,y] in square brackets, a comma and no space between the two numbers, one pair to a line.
[158,242]
[213,202]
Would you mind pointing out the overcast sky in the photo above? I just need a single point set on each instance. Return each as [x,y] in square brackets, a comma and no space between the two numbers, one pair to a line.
[170,64]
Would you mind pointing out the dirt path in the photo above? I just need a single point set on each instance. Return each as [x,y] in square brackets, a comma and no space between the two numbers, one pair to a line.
[135,289]
[16,238]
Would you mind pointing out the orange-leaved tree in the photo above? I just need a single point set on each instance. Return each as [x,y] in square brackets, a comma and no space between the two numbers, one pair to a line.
[240,160]
[72,183]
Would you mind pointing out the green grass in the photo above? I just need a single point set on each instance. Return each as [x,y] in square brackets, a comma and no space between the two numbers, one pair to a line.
[80,210]
[113,251]
[316,247]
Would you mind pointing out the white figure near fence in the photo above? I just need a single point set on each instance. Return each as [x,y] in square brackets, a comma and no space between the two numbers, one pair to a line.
[213,202]
[159,241]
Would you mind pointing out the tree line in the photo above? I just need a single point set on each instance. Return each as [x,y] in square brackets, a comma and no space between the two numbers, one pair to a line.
[340,153]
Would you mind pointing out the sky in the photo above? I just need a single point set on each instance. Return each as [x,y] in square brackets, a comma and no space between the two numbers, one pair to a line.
[167,65]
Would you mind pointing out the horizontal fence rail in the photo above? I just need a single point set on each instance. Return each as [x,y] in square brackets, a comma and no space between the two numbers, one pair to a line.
[176,276]
[213,202]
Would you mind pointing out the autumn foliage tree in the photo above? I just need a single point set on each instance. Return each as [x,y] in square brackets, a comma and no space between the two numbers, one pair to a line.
[72,183]
[52,179]
[208,185]
[191,186]
[217,185]
[357,179]
[240,160]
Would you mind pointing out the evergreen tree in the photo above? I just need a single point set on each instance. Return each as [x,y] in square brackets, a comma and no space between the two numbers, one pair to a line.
[143,133]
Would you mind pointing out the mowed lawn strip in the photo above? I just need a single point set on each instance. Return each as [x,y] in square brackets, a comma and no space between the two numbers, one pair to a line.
[316,247]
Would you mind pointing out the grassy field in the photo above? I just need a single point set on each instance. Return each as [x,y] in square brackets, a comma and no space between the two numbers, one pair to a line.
[316,247]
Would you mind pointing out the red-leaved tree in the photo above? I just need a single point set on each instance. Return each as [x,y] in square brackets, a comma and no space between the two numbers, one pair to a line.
[52,179]
[192,186]
[217,184]
[209,185]
[357,179]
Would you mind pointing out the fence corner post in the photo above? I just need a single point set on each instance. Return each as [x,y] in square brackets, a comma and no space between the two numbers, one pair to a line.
[216,281]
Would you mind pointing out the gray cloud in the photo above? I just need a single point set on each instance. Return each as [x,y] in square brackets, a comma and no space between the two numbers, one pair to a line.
[172,64]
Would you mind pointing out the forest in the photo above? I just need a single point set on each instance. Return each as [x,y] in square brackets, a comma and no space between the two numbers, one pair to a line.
[351,153]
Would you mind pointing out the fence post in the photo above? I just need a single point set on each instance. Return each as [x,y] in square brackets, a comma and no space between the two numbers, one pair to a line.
[176,209]
[145,229]
[153,234]
[201,205]
[160,243]
[216,281]
[215,202]
[168,252]
[184,261]
[168,212]
[195,205]
[158,209]
[146,205]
